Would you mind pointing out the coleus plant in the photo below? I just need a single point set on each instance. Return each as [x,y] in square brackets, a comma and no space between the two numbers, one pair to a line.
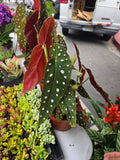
[51,63]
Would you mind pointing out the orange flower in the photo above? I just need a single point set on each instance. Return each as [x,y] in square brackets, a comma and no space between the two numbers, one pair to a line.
[112,115]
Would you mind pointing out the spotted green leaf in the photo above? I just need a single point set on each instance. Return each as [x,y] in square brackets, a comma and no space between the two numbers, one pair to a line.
[68,106]
[56,80]
[81,119]
[20,21]
[61,40]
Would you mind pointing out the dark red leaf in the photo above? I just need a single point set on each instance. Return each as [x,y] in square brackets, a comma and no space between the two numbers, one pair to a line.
[30,31]
[96,86]
[37,5]
[79,63]
[35,71]
[37,64]
[79,106]
[45,36]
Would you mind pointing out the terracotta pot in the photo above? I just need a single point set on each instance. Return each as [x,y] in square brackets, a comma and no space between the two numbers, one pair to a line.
[62,125]
[112,156]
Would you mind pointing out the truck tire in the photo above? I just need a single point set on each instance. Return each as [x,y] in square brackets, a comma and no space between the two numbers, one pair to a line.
[106,37]
[65,31]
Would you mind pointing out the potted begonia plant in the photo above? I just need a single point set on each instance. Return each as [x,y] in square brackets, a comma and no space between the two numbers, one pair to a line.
[50,65]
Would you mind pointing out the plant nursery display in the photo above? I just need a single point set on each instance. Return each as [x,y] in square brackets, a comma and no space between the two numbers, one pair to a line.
[106,134]
[51,66]
[21,137]
[26,111]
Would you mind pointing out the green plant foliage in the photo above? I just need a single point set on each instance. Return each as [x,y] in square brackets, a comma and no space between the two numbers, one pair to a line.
[61,40]
[81,118]
[5,53]
[50,9]
[56,80]
[68,106]
[99,123]
[20,136]
[105,138]
[96,105]
[4,33]
[80,89]
[20,21]
[118,141]
[96,136]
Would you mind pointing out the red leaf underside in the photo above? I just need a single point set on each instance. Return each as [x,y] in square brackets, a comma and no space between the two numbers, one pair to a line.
[37,5]
[30,32]
[35,71]
[96,86]
[45,33]
[79,63]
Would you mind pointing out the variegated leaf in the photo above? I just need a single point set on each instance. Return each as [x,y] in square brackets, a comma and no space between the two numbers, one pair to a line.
[68,106]
[56,80]
[20,21]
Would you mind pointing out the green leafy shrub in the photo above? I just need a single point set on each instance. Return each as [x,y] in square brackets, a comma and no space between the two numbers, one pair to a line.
[106,134]
[21,137]
[5,53]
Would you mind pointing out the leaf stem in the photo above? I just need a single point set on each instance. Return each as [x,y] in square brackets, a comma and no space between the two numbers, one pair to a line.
[45,50]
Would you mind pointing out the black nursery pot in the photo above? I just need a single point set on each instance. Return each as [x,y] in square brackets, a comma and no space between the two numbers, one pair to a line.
[13,82]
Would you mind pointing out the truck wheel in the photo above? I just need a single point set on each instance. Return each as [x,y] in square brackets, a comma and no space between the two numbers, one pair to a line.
[65,31]
[106,37]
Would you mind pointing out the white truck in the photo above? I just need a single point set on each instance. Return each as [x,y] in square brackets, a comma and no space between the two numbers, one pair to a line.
[99,16]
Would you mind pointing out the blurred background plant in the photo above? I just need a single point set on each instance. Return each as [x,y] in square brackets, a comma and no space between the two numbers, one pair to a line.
[11,68]
[5,53]
[6,23]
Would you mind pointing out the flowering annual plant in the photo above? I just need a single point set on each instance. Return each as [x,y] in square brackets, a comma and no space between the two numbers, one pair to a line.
[106,134]
[6,25]
[112,115]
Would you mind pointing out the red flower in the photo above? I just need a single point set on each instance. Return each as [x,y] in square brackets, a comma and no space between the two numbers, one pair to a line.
[112,115]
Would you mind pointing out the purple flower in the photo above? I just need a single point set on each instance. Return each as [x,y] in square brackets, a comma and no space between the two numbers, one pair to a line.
[5,15]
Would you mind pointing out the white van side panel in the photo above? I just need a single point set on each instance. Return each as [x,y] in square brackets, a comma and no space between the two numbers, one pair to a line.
[106,17]
[107,12]
[65,11]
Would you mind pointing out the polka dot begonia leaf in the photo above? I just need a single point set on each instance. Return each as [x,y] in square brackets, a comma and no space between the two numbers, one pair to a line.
[68,106]
[56,80]
[20,21]
[62,41]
